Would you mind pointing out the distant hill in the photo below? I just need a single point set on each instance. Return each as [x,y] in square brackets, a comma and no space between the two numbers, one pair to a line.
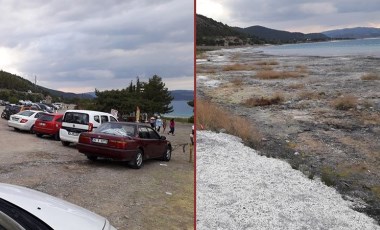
[182,95]
[357,32]
[213,33]
[278,36]
[13,82]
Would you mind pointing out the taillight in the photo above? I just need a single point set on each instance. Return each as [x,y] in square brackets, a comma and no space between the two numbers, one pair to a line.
[118,144]
[84,139]
[90,127]
[23,121]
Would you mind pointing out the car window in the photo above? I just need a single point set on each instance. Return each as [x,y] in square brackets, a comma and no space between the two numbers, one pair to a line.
[113,119]
[153,134]
[26,113]
[104,118]
[59,119]
[143,133]
[46,117]
[38,115]
[77,118]
[96,118]
[116,129]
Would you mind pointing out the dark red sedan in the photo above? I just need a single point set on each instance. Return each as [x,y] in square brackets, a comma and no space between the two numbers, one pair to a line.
[48,124]
[125,141]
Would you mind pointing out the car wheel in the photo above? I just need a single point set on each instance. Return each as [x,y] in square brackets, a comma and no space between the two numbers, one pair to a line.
[138,161]
[56,137]
[167,154]
[38,134]
[16,129]
[32,129]
[65,143]
[92,158]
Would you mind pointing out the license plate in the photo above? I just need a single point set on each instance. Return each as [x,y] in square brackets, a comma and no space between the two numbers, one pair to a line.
[100,141]
[73,134]
[15,118]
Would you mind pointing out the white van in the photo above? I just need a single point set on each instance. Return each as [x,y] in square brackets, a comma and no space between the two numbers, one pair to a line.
[75,122]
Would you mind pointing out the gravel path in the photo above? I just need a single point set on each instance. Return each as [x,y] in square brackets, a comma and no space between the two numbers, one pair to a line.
[238,189]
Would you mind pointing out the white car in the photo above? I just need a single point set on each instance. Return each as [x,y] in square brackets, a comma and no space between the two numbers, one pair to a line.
[23,208]
[24,120]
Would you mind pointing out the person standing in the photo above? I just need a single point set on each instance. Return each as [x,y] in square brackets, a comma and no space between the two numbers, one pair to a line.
[171,126]
[158,123]
[152,122]
[164,125]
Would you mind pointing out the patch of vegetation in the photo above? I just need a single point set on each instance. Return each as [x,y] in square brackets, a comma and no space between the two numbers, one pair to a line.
[212,117]
[275,99]
[273,74]
[345,102]
[238,67]
[269,62]
[328,176]
[371,77]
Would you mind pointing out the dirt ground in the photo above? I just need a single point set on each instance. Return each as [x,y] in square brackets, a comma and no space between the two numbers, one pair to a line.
[340,146]
[158,196]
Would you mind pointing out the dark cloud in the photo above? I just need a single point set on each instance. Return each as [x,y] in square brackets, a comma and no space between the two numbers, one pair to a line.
[302,14]
[74,43]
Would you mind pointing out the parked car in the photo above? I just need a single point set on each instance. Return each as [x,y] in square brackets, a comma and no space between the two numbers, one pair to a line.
[45,108]
[48,124]
[75,122]
[24,208]
[10,110]
[125,141]
[24,120]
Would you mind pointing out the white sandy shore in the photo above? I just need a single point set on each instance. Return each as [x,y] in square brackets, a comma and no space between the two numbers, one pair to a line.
[238,189]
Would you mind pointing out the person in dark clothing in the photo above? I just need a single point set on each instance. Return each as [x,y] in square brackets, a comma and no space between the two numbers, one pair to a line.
[171,126]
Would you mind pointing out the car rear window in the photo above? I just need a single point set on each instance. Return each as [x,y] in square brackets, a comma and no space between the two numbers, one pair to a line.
[118,129]
[46,118]
[26,113]
[77,118]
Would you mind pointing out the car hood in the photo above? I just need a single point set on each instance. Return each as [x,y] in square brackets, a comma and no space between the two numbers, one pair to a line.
[57,213]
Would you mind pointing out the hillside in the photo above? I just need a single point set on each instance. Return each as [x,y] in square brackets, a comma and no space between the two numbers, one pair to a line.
[357,32]
[16,86]
[278,36]
[213,33]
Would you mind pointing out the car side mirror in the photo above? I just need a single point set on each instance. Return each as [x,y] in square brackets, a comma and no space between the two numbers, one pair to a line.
[163,138]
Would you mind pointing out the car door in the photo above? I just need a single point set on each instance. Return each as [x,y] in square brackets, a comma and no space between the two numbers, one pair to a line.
[158,144]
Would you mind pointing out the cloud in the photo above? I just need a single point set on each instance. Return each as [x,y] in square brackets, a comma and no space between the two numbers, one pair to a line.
[302,16]
[71,43]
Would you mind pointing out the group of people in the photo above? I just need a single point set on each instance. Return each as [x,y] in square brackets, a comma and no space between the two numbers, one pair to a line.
[157,123]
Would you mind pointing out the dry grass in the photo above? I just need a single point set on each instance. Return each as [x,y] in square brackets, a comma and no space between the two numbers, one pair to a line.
[277,98]
[310,95]
[297,86]
[302,69]
[271,74]
[269,62]
[206,70]
[215,118]
[237,81]
[345,102]
[238,67]
[370,77]
[370,119]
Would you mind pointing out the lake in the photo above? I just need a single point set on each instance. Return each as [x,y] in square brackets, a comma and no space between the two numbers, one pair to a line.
[181,109]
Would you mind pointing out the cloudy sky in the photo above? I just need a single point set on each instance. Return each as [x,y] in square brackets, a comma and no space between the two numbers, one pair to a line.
[293,15]
[77,46]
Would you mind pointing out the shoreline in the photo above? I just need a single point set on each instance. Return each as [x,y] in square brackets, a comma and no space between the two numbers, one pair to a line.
[340,146]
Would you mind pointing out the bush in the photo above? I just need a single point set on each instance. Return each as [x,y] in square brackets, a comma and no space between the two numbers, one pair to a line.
[275,99]
[345,102]
[272,74]
[370,77]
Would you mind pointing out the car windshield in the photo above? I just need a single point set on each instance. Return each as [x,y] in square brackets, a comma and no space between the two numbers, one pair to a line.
[26,113]
[117,129]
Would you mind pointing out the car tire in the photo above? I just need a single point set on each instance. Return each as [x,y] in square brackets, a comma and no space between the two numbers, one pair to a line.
[92,158]
[16,129]
[137,162]
[167,154]
[32,129]
[38,134]
[65,143]
[56,137]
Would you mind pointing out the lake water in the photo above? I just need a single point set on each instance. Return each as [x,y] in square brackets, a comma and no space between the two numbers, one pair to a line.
[181,109]
[358,47]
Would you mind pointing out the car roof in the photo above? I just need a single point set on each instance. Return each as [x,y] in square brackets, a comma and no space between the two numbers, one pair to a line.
[87,111]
